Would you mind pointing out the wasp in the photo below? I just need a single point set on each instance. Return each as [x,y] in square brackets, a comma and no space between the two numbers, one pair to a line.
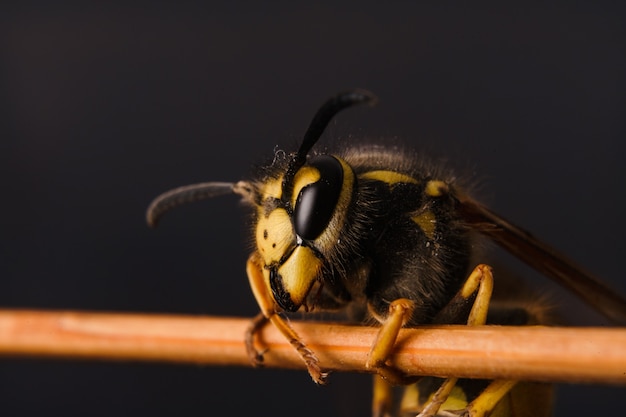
[379,231]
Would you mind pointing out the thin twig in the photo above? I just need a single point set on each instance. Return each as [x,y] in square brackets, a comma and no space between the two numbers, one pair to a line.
[590,355]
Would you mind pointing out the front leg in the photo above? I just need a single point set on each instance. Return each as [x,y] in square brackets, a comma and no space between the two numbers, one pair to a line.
[400,312]
[255,326]
[269,313]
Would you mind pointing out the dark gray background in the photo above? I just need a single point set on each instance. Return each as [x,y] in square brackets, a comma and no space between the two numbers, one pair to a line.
[105,107]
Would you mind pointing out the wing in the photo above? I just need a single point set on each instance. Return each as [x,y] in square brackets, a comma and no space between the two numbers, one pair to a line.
[544,259]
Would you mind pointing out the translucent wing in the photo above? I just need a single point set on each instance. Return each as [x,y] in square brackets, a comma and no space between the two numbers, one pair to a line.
[544,259]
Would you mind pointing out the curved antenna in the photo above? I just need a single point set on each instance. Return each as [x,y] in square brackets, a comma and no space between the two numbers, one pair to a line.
[197,192]
[320,121]
[328,110]
[183,195]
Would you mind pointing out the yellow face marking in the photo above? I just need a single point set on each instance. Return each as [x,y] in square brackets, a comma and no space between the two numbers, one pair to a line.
[305,176]
[273,188]
[427,222]
[274,235]
[390,177]
[299,273]
[436,188]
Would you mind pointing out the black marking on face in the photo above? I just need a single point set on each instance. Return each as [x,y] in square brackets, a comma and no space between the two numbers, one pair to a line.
[281,296]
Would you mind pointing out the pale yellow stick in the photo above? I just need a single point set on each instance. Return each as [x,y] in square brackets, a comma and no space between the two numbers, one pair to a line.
[590,355]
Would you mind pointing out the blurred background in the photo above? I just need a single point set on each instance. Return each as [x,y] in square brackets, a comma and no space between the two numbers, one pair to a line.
[105,107]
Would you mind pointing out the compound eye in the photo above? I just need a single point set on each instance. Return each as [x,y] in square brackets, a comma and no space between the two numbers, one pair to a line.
[316,202]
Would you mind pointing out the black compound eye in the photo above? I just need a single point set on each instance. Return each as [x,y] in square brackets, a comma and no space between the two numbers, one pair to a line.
[316,202]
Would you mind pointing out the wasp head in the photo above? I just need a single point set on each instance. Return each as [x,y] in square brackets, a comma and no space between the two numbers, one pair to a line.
[300,212]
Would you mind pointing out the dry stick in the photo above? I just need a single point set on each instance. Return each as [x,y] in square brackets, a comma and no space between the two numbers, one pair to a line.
[590,355]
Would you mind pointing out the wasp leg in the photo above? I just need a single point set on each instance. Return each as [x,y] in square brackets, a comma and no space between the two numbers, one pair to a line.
[479,286]
[382,397]
[268,311]
[256,324]
[439,397]
[489,398]
[400,311]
